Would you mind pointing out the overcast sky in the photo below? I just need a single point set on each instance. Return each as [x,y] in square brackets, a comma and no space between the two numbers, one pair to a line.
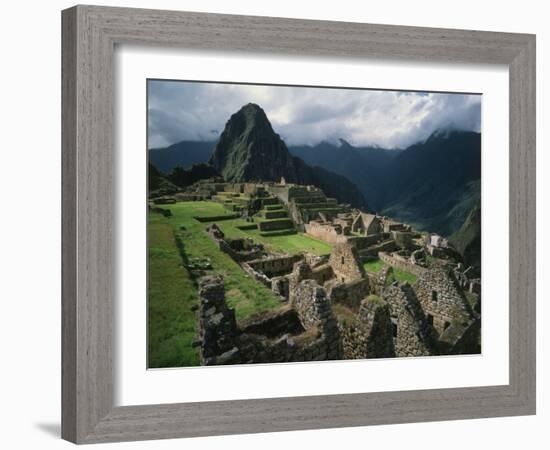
[390,119]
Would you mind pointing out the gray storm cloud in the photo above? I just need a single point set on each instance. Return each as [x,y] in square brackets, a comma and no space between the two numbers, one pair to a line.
[392,119]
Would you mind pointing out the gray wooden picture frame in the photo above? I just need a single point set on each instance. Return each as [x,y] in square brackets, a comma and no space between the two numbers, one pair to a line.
[90,34]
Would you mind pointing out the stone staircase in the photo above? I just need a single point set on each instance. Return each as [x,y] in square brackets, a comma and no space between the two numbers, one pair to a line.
[274,219]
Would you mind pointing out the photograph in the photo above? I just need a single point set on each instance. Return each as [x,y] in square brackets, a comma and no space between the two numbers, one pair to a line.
[296,224]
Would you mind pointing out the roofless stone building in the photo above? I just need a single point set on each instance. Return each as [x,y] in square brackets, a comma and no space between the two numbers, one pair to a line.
[331,308]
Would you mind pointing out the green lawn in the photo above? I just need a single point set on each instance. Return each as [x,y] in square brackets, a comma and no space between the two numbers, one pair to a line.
[172,291]
[373,266]
[171,325]
[401,276]
[292,243]
[376,265]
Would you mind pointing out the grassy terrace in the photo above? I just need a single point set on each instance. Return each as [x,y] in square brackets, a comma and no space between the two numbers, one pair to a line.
[373,266]
[172,291]
[402,276]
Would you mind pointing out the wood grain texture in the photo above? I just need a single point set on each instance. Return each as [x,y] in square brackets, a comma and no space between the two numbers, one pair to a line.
[68,225]
[89,36]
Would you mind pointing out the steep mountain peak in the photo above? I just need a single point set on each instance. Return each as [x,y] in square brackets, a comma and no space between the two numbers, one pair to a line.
[251,108]
[250,116]
[249,150]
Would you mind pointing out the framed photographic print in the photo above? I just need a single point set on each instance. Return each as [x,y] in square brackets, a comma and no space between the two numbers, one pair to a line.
[278,224]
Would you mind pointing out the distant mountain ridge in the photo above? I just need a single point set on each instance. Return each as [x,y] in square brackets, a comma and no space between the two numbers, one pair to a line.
[183,154]
[432,184]
[364,166]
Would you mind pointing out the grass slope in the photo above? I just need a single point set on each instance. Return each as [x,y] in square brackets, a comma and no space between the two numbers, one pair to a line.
[396,274]
[402,276]
[373,266]
[172,291]
[171,323]
[289,243]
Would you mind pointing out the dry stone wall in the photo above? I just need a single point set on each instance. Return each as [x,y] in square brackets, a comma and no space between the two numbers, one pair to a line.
[324,231]
[363,242]
[456,326]
[313,307]
[440,297]
[258,276]
[410,329]
[304,331]
[239,250]
[344,261]
[217,325]
[280,286]
[350,294]
[275,265]
[275,224]
[322,274]
[374,250]
[369,334]
[378,281]
[401,264]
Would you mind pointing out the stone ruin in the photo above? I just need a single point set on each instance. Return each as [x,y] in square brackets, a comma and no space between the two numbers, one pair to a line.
[306,203]
[369,333]
[271,271]
[330,307]
[469,280]
[454,324]
[240,250]
[326,318]
[304,330]
[328,231]
[268,269]
[345,263]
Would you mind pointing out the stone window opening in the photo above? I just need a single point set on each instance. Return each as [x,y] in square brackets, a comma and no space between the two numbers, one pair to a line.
[430,320]
[342,261]
[434,296]
[394,328]
[446,325]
